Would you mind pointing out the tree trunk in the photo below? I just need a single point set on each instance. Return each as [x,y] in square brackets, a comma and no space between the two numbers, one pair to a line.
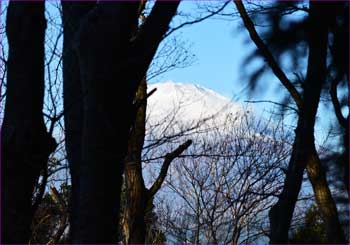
[324,199]
[103,43]
[26,145]
[236,234]
[304,152]
[134,226]
[72,15]
[112,64]
[139,199]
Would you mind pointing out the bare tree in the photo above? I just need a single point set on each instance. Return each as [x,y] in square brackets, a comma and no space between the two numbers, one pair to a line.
[221,190]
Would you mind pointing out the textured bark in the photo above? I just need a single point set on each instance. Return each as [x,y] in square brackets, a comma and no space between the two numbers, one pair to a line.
[324,199]
[26,145]
[134,226]
[138,197]
[72,15]
[63,220]
[304,152]
[112,64]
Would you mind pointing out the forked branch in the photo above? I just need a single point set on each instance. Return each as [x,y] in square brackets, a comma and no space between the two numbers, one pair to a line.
[167,161]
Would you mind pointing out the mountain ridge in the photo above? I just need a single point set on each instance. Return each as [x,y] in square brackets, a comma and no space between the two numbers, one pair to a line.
[189,100]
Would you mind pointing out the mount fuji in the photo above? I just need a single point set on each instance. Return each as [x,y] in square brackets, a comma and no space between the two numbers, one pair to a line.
[186,103]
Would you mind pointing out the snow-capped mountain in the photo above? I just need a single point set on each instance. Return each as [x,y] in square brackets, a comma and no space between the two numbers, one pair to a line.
[185,102]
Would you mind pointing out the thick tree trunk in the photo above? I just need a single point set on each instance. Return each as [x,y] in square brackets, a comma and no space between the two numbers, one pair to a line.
[304,152]
[108,111]
[112,62]
[26,145]
[72,15]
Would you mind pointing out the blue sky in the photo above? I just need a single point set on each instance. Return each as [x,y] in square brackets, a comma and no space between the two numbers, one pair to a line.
[219,47]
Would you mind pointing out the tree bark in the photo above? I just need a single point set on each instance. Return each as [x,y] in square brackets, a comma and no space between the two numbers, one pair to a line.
[112,64]
[26,145]
[72,15]
[324,199]
[236,234]
[134,226]
[304,153]
[138,198]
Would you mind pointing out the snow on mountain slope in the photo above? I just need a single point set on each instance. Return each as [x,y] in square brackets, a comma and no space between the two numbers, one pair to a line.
[187,103]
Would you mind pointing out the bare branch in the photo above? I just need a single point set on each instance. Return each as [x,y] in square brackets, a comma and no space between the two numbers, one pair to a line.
[272,102]
[168,159]
[197,20]
[248,23]
[57,198]
[153,30]
[336,104]
[143,101]
[63,222]
[38,198]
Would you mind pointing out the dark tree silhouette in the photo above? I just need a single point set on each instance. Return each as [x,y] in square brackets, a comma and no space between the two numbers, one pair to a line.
[25,143]
[304,154]
[72,15]
[113,57]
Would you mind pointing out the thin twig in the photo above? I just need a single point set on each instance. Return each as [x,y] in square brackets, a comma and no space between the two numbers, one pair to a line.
[272,102]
